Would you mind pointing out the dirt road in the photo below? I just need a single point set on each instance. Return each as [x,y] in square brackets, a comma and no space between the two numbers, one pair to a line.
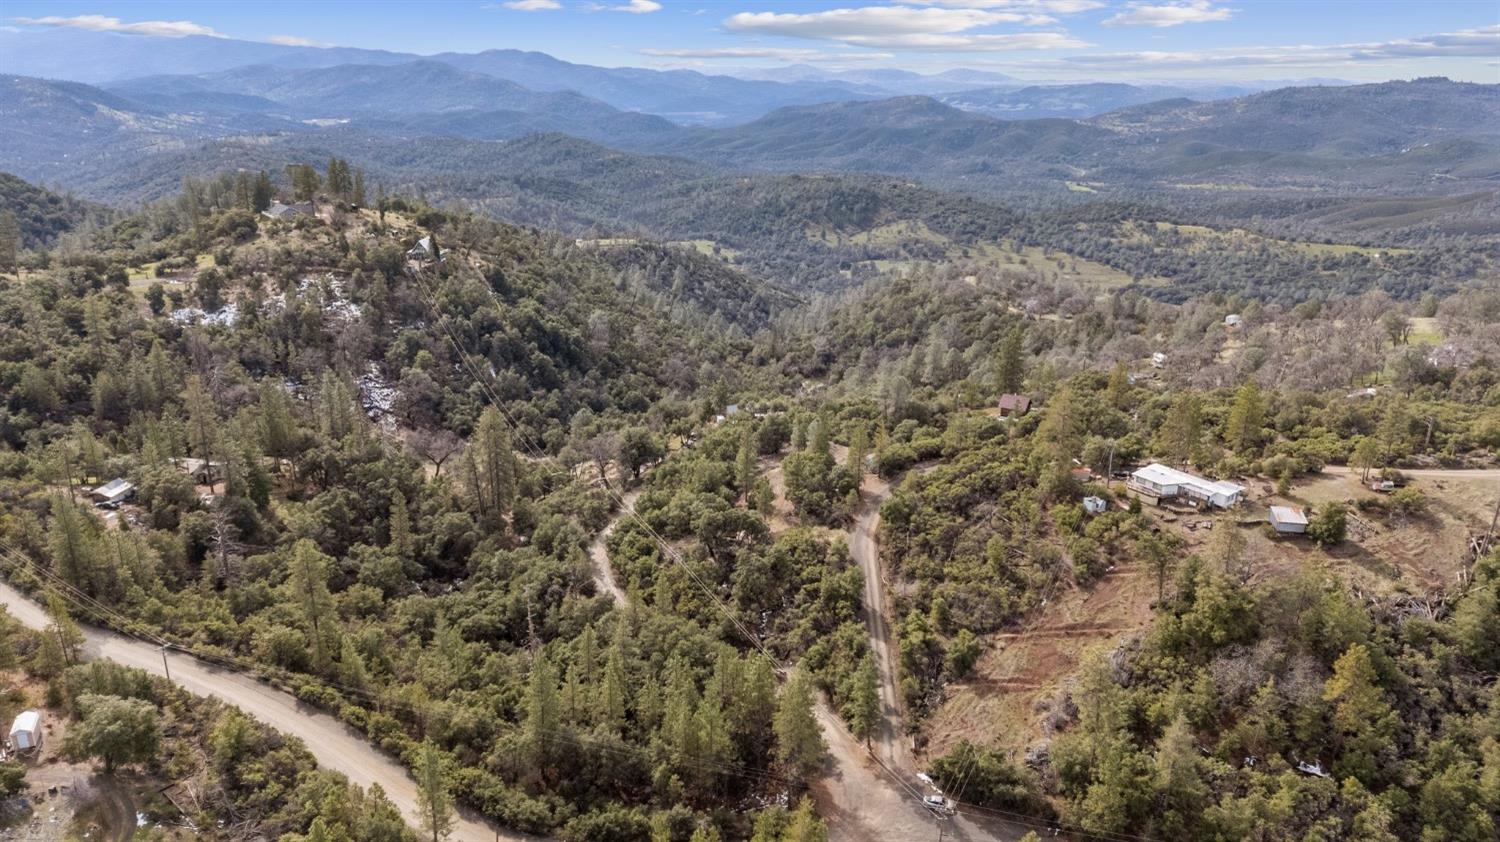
[604,574]
[1426,473]
[335,746]
[890,741]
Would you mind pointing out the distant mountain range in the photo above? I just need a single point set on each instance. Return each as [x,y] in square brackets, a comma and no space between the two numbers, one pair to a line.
[686,97]
[435,120]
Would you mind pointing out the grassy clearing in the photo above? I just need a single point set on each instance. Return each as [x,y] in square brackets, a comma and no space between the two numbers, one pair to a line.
[706,247]
[1425,331]
[1203,238]
[1079,187]
[889,234]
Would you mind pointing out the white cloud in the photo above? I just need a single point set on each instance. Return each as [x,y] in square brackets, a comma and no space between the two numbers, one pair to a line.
[1169,14]
[638,7]
[777,53]
[1466,43]
[532,5]
[876,26]
[1055,7]
[103,23]
[291,41]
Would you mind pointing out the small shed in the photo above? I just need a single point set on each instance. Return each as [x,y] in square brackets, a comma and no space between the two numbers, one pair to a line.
[203,471]
[1232,320]
[113,493]
[1158,360]
[1014,405]
[26,732]
[1095,505]
[1287,520]
[279,210]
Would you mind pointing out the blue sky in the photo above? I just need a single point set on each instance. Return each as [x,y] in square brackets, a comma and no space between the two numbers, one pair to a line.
[1036,39]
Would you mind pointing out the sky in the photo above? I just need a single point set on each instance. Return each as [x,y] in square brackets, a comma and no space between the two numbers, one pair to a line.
[1125,40]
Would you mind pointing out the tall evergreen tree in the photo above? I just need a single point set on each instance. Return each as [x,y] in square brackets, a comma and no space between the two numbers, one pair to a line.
[1242,431]
[434,805]
[1010,362]
[799,741]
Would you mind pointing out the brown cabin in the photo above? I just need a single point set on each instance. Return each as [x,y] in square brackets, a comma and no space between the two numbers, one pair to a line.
[1014,405]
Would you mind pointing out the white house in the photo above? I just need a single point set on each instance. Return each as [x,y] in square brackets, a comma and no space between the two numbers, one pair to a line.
[26,732]
[1158,360]
[113,493]
[422,251]
[1232,320]
[1159,482]
[1287,520]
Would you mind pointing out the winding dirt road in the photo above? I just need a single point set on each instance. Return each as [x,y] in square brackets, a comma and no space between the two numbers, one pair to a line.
[333,744]
[604,574]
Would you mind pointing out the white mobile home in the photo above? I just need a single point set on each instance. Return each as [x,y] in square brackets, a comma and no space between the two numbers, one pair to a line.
[26,732]
[1159,482]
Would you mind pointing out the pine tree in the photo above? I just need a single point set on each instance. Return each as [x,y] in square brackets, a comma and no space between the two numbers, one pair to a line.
[73,546]
[493,467]
[745,463]
[543,714]
[309,583]
[1182,431]
[804,825]
[859,448]
[262,194]
[799,741]
[358,197]
[434,805]
[203,422]
[400,528]
[615,686]
[863,708]
[1179,780]
[1243,429]
[1010,362]
[1363,721]
[10,241]
[62,629]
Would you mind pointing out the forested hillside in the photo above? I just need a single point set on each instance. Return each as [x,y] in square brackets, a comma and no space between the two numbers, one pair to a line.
[39,215]
[652,510]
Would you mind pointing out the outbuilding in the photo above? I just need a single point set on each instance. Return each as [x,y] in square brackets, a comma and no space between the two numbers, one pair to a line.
[1014,405]
[26,732]
[1287,520]
[113,493]
[1095,505]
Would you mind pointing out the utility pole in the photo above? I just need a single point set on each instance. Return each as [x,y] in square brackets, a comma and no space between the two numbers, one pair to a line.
[167,668]
[1489,534]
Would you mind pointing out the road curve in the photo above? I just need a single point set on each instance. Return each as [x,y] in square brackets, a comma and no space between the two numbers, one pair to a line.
[604,573]
[335,746]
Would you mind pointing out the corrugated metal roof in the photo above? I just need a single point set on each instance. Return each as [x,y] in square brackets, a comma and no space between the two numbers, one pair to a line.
[1287,514]
[113,487]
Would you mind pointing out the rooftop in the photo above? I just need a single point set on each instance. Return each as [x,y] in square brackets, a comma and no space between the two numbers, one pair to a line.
[1288,514]
[1159,474]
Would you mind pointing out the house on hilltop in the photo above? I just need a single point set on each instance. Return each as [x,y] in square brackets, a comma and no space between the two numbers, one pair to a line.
[279,210]
[423,251]
[1157,482]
